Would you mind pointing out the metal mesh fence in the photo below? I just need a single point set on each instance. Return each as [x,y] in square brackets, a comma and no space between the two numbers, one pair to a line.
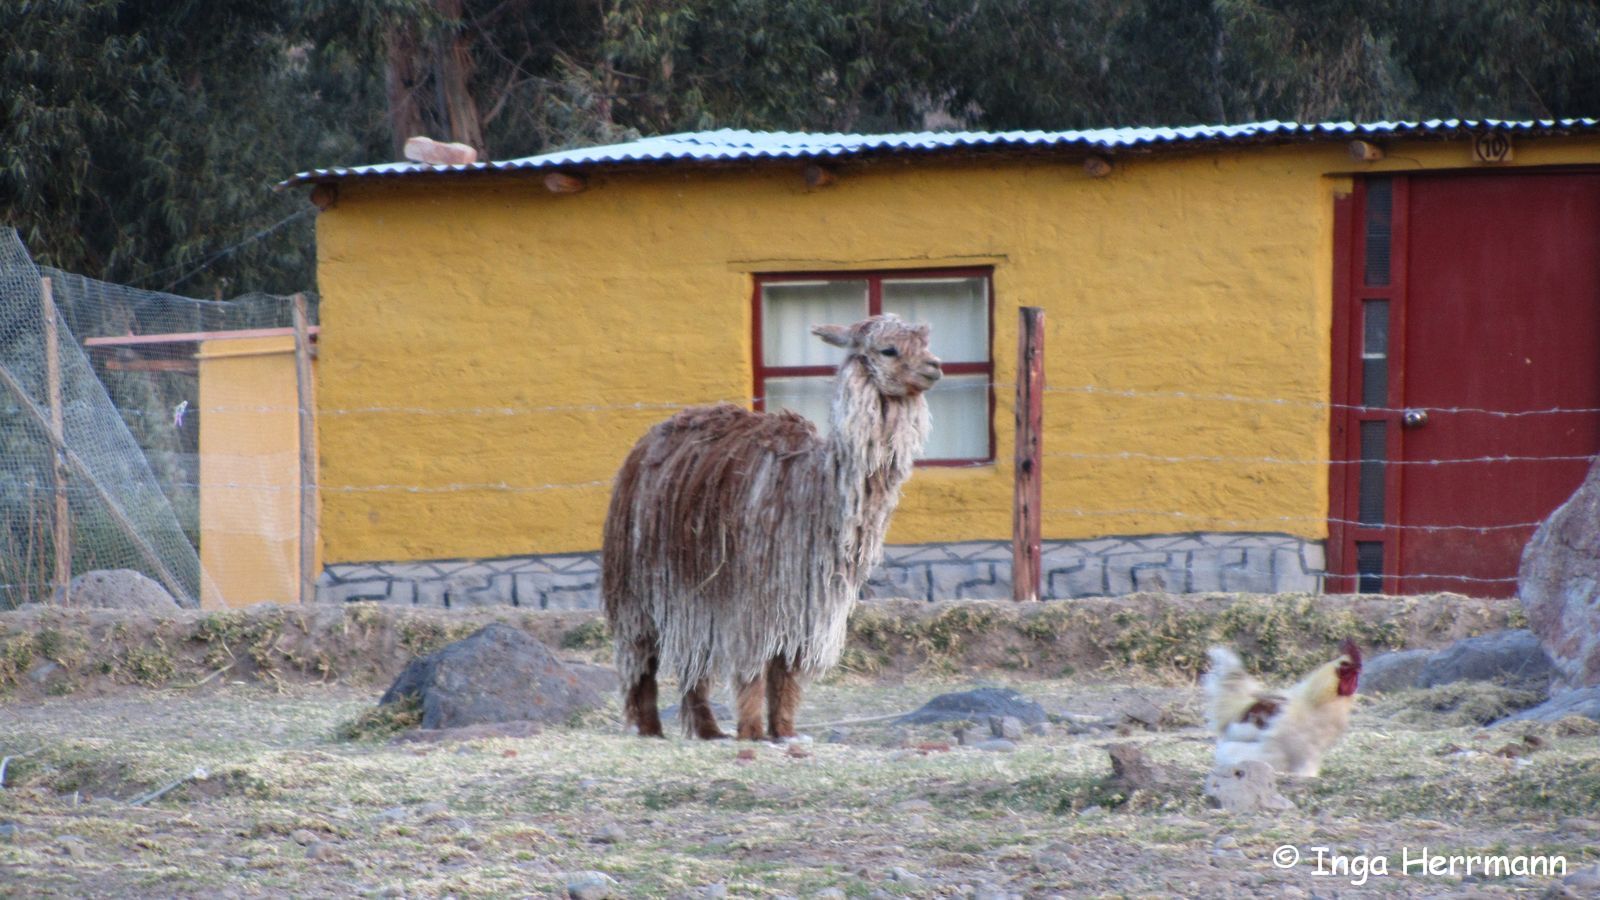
[118,379]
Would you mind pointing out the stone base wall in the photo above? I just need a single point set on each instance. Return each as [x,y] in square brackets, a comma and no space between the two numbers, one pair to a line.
[1179,563]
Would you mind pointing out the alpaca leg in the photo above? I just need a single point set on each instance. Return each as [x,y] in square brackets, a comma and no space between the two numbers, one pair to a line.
[701,721]
[639,703]
[751,695]
[783,698]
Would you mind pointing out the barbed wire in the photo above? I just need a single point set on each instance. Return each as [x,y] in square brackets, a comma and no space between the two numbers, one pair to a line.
[1285,520]
[1276,461]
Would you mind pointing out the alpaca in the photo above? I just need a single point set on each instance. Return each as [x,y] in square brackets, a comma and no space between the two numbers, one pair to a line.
[737,542]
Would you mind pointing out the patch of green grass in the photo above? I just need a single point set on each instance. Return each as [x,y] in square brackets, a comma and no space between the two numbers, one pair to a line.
[422,636]
[1275,635]
[383,721]
[594,634]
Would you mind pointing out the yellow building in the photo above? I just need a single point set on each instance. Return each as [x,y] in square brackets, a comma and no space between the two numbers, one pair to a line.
[1227,355]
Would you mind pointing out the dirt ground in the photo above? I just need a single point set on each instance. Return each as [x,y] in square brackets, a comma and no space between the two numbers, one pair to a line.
[242,711]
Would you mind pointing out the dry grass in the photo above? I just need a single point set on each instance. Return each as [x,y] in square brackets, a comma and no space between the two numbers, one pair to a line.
[289,810]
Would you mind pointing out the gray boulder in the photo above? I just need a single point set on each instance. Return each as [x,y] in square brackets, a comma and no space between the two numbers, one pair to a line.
[1514,658]
[976,706]
[1394,671]
[119,589]
[497,674]
[1559,584]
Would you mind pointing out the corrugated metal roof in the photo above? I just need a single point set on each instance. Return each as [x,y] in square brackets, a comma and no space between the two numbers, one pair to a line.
[731,145]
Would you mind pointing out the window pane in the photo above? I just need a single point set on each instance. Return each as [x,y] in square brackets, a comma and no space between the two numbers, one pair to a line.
[957,309]
[788,310]
[959,408]
[810,397]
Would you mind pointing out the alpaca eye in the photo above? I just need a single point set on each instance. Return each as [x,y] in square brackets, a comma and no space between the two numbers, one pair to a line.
[889,351]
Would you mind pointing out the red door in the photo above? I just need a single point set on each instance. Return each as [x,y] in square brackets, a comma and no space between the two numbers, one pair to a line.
[1467,372]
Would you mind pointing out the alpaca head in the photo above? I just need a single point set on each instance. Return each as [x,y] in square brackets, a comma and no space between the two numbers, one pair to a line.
[892,352]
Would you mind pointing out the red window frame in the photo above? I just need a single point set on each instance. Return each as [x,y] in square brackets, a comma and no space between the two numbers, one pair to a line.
[875,279]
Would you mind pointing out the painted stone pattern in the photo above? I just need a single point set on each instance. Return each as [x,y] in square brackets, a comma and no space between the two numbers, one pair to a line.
[977,570]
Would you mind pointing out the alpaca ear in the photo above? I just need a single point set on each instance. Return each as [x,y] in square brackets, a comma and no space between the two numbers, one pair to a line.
[837,335]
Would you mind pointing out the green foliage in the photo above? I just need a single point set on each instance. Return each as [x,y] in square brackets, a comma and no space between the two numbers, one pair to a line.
[139,139]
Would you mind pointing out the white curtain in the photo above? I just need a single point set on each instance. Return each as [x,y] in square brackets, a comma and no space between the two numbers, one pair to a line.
[955,309]
[788,310]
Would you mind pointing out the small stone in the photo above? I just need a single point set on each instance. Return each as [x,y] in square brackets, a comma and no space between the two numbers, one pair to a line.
[428,810]
[831,893]
[1250,786]
[235,862]
[303,837]
[1008,727]
[392,814]
[914,822]
[592,886]
[838,735]
[73,846]
[718,891]
[10,831]
[905,876]
[611,834]
[997,745]
[1226,842]
[1092,812]
[321,850]
[797,751]
[1039,729]
[988,891]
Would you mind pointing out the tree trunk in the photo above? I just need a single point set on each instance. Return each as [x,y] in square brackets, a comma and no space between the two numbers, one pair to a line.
[401,78]
[454,78]
[429,83]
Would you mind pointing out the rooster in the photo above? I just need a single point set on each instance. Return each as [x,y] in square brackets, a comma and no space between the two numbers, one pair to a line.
[1288,730]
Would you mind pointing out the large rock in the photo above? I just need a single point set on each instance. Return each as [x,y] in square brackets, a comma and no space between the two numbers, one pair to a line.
[497,674]
[1514,658]
[1559,584]
[119,589]
[976,706]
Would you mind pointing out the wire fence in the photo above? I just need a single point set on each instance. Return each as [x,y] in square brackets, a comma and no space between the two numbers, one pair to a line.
[100,417]
[177,449]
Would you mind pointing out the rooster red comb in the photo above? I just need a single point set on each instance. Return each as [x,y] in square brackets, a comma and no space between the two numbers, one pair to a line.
[1349,648]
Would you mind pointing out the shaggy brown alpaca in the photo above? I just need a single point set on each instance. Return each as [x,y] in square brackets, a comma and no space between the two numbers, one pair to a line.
[737,542]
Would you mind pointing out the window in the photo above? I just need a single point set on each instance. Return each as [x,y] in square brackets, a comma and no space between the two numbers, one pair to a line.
[794,370]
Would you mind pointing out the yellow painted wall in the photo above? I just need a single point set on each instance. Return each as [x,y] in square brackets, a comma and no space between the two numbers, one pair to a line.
[249,471]
[483,340]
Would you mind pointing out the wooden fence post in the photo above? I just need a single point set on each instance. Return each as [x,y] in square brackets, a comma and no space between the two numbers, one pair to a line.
[84,474]
[1025,520]
[52,379]
[308,452]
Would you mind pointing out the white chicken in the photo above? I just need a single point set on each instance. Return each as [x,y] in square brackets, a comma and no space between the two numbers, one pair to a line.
[1289,730]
